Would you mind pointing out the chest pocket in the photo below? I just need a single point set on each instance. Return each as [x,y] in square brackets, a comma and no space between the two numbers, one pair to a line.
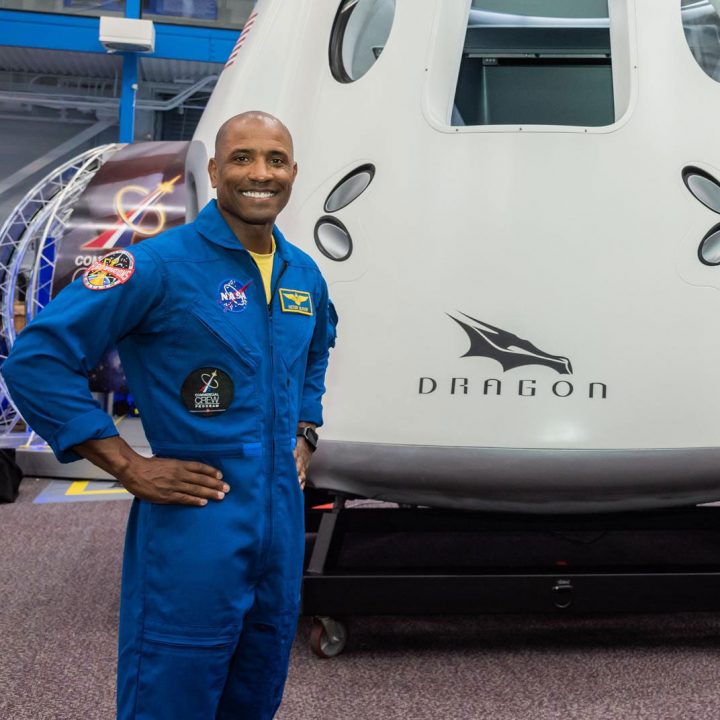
[294,332]
[224,331]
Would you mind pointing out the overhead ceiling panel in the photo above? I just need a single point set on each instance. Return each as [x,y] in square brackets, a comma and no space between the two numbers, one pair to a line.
[56,62]
[176,71]
[96,65]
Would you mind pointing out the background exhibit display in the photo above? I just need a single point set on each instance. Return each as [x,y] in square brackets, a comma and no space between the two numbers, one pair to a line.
[517,208]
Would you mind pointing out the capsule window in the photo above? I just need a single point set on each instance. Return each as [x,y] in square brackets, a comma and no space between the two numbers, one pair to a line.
[349,188]
[709,250]
[333,239]
[359,34]
[547,62]
[701,23]
[703,186]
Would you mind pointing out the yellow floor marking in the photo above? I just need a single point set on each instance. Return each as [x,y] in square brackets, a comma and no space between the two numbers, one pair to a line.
[79,487]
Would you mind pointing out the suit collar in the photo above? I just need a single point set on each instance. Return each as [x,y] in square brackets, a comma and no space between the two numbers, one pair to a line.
[212,226]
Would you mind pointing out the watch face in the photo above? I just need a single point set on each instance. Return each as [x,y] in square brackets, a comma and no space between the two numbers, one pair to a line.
[311,436]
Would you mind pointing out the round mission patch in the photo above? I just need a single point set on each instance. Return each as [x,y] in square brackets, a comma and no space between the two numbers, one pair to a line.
[232,296]
[207,391]
[116,268]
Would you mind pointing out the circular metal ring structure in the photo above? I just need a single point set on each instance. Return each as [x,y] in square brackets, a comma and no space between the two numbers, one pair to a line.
[28,242]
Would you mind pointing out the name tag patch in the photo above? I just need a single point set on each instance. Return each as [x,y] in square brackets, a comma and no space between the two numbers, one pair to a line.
[207,391]
[114,269]
[296,301]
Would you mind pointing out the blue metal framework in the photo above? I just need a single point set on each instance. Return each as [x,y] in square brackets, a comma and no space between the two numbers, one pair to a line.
[63,32]
[127,97]
[71,33]
[132,8]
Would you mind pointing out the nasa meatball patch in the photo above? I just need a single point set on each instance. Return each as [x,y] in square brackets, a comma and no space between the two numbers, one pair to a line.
[114,269]
[207,391]
[231,295]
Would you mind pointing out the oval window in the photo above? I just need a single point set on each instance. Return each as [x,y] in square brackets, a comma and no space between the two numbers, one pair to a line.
[701,23]
[349,188]
[703,186]
[359,34]
[709,250]
[332,239]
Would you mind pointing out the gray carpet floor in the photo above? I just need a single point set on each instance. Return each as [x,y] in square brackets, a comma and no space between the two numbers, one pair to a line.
[59,576]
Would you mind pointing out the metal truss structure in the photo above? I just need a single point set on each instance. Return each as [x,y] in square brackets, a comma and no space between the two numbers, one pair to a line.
[28,243]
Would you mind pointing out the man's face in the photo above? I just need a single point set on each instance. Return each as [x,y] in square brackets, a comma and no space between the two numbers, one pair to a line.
[253,171]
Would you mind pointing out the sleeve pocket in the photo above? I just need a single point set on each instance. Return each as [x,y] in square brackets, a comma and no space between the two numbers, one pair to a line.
[332,323]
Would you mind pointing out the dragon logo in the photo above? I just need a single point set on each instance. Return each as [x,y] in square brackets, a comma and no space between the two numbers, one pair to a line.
[509,350]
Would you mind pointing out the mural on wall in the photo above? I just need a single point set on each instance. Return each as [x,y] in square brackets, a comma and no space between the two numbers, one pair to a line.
[137,194]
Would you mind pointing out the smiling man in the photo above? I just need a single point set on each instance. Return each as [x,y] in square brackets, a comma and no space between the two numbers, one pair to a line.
[223,328]
[253,172]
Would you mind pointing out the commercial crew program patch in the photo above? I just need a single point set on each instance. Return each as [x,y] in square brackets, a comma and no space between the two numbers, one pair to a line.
[232,296]
[296,301]
[114,269]
[207,391]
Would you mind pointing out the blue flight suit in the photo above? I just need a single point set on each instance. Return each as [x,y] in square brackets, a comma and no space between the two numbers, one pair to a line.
[210,596]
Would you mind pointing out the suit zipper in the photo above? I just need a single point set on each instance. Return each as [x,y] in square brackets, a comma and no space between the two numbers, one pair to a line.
[273,290]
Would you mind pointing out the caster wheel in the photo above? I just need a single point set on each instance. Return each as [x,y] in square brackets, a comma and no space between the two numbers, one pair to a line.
[327,637]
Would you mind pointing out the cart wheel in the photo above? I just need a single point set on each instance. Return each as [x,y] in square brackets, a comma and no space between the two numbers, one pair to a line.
[327,637]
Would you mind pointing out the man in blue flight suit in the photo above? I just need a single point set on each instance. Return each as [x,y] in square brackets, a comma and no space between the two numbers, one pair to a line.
[223,330]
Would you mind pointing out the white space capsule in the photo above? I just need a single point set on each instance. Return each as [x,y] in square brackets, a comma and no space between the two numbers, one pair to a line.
[515,205]
[517,208]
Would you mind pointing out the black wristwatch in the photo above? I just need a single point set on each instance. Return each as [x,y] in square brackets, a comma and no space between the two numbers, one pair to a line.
[310,435]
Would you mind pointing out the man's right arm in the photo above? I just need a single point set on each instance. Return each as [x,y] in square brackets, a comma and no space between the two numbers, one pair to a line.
[158,480]
[46,373]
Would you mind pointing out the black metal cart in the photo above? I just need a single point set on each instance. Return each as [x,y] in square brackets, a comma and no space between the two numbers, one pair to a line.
[393,560]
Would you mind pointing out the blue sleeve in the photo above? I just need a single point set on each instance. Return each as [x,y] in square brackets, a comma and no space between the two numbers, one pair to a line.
[322,340]
[48,366]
